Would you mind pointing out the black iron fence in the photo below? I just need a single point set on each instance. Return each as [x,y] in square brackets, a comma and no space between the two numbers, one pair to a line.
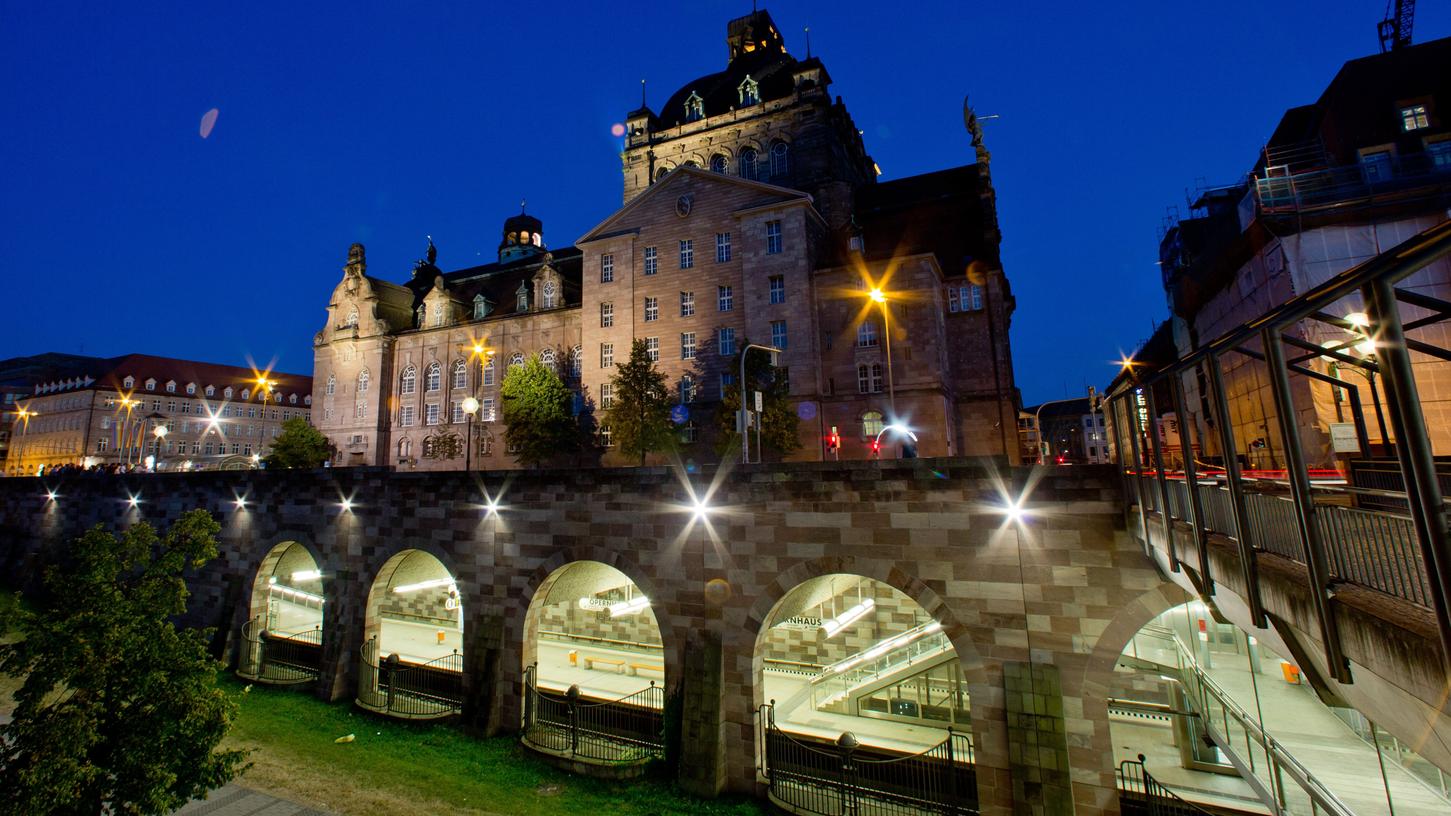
[1140,794]
[627,729]
[414,691]
[846,779]
[281,658]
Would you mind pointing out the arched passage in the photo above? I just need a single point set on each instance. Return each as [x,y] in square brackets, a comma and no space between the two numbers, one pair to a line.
[412,663]
[282,639]
[594,667]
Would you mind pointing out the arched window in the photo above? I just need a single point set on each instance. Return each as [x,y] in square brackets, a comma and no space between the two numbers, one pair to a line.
[460,374]
[547,358]
[517,359]
[409,383]
[778,159]
[871,424]
[434,379]
[363,377]
[550,291]
[576,361]
[694,107]
[487,375]
[352,321]
[750,92]
[748,163]
[405,448]
[719,163]
[332,384]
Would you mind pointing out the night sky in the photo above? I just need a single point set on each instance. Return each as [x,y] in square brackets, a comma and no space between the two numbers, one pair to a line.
[123,230]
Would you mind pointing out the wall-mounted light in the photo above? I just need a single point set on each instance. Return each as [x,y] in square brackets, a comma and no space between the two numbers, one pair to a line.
[346,505]
[133,500]
[50,495]
[307,575]
[834,625]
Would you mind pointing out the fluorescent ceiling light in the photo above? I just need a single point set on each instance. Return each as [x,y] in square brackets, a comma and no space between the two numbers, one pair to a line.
[847,618]
[630,607]
[307,575]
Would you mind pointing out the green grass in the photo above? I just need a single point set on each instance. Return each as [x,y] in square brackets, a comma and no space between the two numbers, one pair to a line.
[403,767]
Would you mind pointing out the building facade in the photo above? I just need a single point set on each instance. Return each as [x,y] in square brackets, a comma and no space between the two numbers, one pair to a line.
[1364,168]
[106,412]
[752,214]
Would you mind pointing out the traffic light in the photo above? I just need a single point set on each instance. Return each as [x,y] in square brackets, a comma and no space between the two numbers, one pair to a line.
[833,439]
[876,448]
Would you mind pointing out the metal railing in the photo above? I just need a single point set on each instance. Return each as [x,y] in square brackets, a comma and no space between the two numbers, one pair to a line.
[625,730]
[1140,794]
[845,779]
[1328,186]
[836,681]
[411,691]
[280,658]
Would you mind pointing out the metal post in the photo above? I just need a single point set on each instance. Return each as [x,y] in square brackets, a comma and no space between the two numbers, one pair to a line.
[1380,417]
[1299,480]
[1196,511]
[469,444]
[891,383]
[1164,513]
[1249,567]
[1413,450]
[1134,432]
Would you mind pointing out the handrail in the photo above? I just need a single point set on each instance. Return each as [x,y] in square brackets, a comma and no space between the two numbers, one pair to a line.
[1132,772]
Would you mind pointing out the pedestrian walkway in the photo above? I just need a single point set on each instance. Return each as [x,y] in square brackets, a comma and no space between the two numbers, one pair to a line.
[235,800]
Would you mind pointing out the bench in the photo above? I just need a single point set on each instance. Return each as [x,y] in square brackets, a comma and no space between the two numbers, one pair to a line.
[636,668]
[619,665]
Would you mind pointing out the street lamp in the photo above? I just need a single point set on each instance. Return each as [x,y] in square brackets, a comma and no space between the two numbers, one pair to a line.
[745,432]
[471,407]
[160,433]
[879,297]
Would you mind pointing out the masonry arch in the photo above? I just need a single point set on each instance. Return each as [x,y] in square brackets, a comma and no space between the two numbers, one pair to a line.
[413,639]
[282,638]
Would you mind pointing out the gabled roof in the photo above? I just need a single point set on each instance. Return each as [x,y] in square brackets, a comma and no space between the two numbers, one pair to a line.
[769,194]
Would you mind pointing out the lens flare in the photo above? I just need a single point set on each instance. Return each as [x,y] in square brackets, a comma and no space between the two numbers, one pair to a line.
[617,129]
[209,121]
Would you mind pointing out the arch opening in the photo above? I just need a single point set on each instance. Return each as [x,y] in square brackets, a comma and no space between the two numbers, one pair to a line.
[594,668]
[412,655]
[1215,714]
[282,639]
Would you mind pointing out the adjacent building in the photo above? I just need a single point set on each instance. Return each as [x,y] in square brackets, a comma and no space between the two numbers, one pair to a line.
[89,412]
[1362,169]
[752,213]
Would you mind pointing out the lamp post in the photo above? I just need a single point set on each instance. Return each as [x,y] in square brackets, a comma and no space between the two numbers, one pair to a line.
[745,432]
[23,416]
[160,434]
[880,297]
[126,441]
[471,407]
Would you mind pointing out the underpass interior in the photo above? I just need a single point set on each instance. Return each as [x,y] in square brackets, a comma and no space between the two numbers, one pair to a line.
[288,595]
[593,628]
[419,616]
[844,653]
[1197,697]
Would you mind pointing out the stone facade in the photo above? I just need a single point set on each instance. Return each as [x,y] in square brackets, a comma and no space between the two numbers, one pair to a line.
[1067,589]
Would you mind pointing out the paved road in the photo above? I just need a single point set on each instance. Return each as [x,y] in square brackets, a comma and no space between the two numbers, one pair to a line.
[234,800]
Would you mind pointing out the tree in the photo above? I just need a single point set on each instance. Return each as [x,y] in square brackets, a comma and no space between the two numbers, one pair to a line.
[298,446]
[119,710]
[778,420]
[538,420]
[640,418]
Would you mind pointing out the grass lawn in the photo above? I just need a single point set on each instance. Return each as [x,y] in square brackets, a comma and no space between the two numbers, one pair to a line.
[396,767]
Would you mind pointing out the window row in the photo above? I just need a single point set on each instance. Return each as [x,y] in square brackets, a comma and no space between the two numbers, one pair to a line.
[211,391]
[650,256]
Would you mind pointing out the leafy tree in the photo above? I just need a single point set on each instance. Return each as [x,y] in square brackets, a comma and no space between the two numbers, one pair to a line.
[640,418]
[298,446]
[538,420]
[119,710]
[778,420]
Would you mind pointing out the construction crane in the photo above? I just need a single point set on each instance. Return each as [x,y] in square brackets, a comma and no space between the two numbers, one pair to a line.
[1395,29]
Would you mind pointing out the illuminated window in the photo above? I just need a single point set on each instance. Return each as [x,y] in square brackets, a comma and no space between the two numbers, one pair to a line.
[607,355]
[547,358]
[750,91]
[964,298]
[460,374]
[871,424]
[687,253]
[694,107]
[1414,118]
[409,383]
[607,315]
[1440,153]
[607,438]
[576,361]
[687,389]
[482,307]
[778,333]
[607,396]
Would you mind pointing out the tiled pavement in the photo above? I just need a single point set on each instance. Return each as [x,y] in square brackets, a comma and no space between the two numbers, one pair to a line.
[235,800]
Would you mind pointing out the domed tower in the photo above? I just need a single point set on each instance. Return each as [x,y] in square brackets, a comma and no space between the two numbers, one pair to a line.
[523,237]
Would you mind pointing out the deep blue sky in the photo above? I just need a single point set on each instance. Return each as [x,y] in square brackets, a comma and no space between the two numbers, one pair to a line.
[122,230]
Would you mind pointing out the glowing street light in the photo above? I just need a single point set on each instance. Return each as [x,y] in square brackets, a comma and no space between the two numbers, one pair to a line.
[160,432]
[470,407]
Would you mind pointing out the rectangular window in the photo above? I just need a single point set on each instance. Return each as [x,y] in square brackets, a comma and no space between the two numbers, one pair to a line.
[607,355]
[1414,118]
[1440,153]
[486,409]
[456,412]
[607,315]
[652,348]
[652,261]
[778,334]
[607,396]
[953,299]
[773,237]
[974,297]
[727,379]
[405,415]
[722,247]
[687,389]
[607,438]
[866,335]
[687,253]
[863,380]
[652,309]
[725,340]
[687,304]
[431,413]
[687,346]
[607,268]
[778,288]
[725,299]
